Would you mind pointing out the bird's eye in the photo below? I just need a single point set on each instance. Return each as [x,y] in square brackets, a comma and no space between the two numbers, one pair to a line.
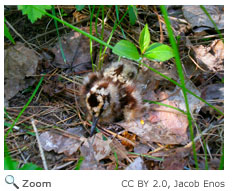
[92,100]
[131,75]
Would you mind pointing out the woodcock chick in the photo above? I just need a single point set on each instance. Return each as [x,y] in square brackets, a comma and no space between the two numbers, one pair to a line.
[113,95]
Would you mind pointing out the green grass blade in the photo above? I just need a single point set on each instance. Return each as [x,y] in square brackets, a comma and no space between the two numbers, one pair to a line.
[166,105]
[100,64]
[213,22]
[181,76]
[132,14]
[91,18]
[112,32]
[148,156]
[58,34]
[75,28]
[117,15]
[26,105]
[79,163]
[7,34]
[221,166]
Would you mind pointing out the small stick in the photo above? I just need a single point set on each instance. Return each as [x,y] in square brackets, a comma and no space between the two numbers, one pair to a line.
[18,34]
[39,145]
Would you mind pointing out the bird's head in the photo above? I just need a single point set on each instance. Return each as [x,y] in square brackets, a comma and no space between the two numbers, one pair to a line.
[98,102]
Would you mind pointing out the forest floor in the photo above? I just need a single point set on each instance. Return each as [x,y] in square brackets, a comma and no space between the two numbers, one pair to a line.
[161,139]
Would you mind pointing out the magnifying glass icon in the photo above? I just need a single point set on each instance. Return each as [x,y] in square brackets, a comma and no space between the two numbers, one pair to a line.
[10,180]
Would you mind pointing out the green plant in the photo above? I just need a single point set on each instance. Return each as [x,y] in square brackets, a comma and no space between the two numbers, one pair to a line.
[7,34]
[33,14]
[132,14]
[156,51]
[79,7]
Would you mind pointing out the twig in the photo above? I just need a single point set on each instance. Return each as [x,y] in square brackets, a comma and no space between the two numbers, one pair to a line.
[160,25]
[18,34]
[63,165]
[39,145]
[19,150]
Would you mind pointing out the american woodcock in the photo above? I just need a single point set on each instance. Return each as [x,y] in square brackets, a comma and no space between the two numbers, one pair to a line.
[113,95]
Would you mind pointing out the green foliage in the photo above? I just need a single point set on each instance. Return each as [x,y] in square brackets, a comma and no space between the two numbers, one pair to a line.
[156,51]
[126,49]
[10,164]
[79,7]
[7,34]
[79,163]
[144,39]
[132,14]
[159,52]
[32,13]
[181,76]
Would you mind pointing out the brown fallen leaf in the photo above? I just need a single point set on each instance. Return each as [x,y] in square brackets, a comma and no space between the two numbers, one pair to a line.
[76,49]
[176,160]
[100,147]
[213,91]
[211,57]
[51,140]
[197,18]
[153,132]
[20,63]
[168,118]
[94,149]
[53,87]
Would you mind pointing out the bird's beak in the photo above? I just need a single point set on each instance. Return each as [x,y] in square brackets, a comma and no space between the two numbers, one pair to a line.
[94,122]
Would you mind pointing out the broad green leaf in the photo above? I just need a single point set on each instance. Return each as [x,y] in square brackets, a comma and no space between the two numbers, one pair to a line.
[144,39]
[132,14]
[126,49]
[33,12]
[79,7]
[159,52]
[7,33]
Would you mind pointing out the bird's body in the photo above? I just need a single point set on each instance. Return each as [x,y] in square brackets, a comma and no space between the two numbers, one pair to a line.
[112,95]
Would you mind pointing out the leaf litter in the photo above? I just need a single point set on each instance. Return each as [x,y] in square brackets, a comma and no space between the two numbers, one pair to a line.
[161,132]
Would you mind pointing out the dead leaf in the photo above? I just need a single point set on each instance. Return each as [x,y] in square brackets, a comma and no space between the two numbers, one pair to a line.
[94,149]
[153,132]
[211,57]
[217,46]
[213,91]
[141,148]
[100,147]
[51,140]
[20,63]
[168,118]
[197,18]
[138,164]
[176,160]
[76,48]
[120,150]
[53,87]
[194,103]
